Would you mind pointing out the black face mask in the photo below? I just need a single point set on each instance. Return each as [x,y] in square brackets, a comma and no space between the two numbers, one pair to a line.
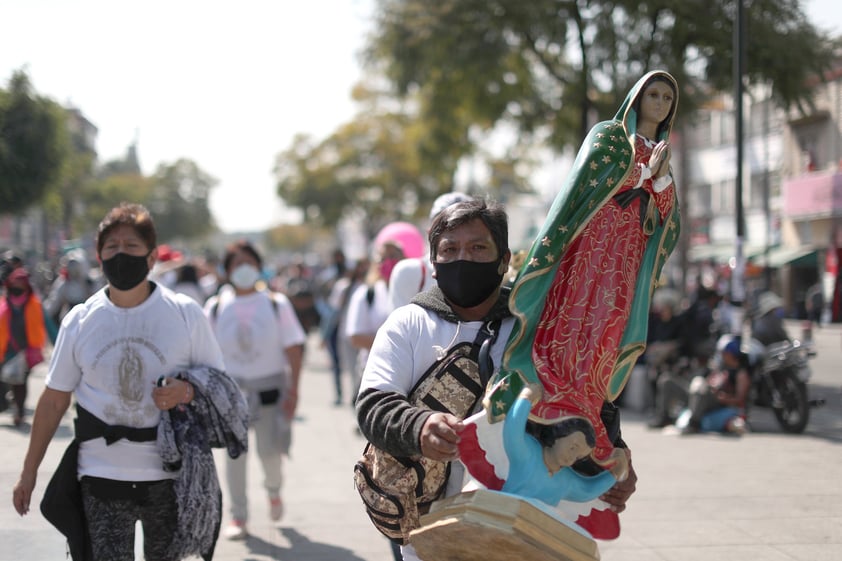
[468,283]
[125,271]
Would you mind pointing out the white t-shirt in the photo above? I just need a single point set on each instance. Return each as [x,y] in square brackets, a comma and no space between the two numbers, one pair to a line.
[409,277]
[408,344]
[253,334]
[363,318]
[111,358]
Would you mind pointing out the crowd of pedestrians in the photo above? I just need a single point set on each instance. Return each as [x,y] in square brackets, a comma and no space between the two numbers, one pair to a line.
[230,340]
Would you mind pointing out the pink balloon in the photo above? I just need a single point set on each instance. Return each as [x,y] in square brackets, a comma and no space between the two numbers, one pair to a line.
[406,235]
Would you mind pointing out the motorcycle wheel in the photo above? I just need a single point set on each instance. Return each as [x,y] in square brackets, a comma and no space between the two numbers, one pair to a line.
[793,409]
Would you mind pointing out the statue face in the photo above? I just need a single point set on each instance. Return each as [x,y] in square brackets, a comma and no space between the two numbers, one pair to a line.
[655,102]
[566,450]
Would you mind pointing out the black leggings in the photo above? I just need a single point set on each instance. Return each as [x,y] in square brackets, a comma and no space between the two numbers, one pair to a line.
[113,507]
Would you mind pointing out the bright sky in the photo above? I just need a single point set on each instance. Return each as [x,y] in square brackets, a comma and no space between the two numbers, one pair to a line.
[227,85]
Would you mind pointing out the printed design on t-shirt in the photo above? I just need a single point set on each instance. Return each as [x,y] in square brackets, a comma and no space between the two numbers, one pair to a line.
[133,383]
[246,349]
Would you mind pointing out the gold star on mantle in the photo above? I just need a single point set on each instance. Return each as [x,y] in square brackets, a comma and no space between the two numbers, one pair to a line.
[545,241]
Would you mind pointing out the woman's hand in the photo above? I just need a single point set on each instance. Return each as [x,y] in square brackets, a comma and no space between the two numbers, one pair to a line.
[659,161]
[171,393]
[22,493]
[289,403]
[440,437]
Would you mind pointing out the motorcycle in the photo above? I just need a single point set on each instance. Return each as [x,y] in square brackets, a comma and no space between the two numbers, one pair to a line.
[780,373]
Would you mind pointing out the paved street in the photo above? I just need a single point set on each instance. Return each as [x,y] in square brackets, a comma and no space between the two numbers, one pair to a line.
[765,496]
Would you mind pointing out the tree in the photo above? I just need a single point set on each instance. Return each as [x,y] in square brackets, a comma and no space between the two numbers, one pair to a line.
[179,200]
[369,167]
[554,66]
[101,195]
[33,145]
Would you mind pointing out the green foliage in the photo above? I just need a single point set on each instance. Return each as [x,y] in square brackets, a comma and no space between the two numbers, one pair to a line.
[291,238]
[33,145]
[555,65]
[177,195]
[101,195]
[370,167]
[180,200]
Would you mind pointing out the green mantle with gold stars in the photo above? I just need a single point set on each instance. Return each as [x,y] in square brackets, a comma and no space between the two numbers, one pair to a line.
[600,169]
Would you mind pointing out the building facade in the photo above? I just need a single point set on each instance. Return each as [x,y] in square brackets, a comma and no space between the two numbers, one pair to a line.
[792,192]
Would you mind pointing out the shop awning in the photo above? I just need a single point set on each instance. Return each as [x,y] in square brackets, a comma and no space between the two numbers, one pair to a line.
[802,256]
[720,253]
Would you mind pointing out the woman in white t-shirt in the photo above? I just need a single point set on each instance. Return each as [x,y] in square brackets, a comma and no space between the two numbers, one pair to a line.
[110,352]
[263,345]
[369,305]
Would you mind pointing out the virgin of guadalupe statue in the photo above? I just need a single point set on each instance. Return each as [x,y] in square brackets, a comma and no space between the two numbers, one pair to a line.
[582,296]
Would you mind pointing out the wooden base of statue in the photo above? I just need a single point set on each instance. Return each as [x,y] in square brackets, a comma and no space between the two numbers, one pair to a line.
[488,526]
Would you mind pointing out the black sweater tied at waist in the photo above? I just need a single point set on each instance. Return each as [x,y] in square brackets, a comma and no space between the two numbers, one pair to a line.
[88,427]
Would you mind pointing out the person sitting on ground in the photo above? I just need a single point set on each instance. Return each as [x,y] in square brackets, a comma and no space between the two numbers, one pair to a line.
[662,351]
[717,401]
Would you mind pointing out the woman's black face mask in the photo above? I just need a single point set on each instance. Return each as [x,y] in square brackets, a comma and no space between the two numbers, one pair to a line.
[125,271]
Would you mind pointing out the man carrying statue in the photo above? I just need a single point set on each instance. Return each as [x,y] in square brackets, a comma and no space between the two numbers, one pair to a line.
[564,339]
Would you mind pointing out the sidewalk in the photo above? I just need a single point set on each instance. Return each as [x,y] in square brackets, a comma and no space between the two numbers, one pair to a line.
[763,497]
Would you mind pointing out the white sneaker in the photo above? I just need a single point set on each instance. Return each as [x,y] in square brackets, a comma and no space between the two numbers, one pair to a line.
[276,508]
[236,530]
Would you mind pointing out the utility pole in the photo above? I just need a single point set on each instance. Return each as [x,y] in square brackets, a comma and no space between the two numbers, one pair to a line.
[767,188]
[738,291]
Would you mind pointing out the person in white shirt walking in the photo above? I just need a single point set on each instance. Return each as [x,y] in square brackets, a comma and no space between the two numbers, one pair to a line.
[110,352]
[263,345]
